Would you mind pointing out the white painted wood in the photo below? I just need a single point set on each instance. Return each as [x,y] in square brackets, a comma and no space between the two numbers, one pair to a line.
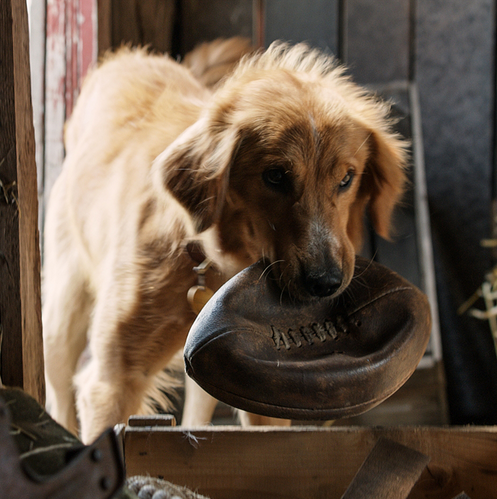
[423,223]
[54,93]
[37,17]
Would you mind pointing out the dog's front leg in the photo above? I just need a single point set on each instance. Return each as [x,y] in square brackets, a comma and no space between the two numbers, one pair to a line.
[199,405]
[249,419]
[199,408]
[105,398]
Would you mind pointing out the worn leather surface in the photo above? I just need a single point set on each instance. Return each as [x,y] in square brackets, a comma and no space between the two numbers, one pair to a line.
[258,350]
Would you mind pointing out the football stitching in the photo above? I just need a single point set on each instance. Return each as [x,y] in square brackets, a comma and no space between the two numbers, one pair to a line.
[307,334]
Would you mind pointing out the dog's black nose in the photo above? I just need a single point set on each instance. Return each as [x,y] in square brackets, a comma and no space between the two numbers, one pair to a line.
[325,284]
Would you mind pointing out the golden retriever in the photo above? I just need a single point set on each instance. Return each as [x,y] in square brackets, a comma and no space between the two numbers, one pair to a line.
[279,161]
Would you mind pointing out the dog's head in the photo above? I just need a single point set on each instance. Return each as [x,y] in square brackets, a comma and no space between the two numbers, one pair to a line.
[283,165]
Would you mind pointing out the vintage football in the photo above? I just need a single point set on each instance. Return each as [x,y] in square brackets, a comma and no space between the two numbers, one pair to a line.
[259,350]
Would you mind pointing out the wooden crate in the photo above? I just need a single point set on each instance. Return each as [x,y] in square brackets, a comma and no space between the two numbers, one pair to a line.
[308,462]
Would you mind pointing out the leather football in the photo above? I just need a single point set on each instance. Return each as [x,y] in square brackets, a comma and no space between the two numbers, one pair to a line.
[258,350]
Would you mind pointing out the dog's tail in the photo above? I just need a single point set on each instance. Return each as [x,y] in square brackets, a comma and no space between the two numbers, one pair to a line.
[210,62]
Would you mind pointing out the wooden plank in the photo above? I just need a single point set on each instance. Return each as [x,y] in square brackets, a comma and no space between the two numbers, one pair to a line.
[268,462]
[37,20]
[80,47]
[152,420]
[314,21]
[139,23]
[71,49]
[88,37]
[20,303]
[389,472]
[104,24]
[420,401]
[124,23]
[377,40]
[410,252]
[423,224]
[222,18]
[258,23]
[71,54]
[157,23]
[55,83]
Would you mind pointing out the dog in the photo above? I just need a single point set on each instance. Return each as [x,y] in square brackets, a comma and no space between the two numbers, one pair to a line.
[279,159]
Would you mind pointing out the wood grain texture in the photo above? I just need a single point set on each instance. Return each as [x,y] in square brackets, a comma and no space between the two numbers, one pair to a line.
[152,420]
[20,302]
[389,472]
[310,462]
[141,23]
[104,26]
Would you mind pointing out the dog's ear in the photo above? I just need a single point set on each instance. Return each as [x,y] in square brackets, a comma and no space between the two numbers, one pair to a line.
[195,170]
[386,165]
[384,179]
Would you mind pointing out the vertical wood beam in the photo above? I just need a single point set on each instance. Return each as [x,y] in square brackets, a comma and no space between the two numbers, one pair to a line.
[71,50]
[223,18]
[55,89]
[377,40]
[104,25]
[20,302]
[37,14]
[315,21]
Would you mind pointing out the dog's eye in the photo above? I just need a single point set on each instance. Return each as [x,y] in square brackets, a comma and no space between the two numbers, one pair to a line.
[277,179]
[347,180]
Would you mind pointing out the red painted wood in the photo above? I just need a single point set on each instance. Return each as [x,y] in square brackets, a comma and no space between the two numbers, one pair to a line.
[71,50]
[55,93]
[88,35]
[71,44]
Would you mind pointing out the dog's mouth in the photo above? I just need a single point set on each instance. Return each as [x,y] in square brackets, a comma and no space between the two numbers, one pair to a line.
[300,284]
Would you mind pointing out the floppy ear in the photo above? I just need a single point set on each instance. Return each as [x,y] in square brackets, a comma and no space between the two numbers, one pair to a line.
[195,170]
[382,185]
[386,178]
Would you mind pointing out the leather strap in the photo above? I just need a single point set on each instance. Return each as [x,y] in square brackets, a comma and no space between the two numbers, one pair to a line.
[200,294]
[195,252]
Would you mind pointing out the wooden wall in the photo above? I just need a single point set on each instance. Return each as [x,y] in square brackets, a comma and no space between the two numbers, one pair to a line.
[454,56]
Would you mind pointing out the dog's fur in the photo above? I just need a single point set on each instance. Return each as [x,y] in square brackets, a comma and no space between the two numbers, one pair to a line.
[279,162]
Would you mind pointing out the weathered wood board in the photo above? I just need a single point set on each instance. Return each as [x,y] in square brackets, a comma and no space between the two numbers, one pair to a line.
[20,302]
[226,462]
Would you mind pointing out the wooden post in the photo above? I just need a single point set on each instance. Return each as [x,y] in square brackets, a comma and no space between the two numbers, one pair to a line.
[104,37]
[20,304]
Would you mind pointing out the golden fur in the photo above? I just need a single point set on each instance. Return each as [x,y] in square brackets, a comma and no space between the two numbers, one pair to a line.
[279,162]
